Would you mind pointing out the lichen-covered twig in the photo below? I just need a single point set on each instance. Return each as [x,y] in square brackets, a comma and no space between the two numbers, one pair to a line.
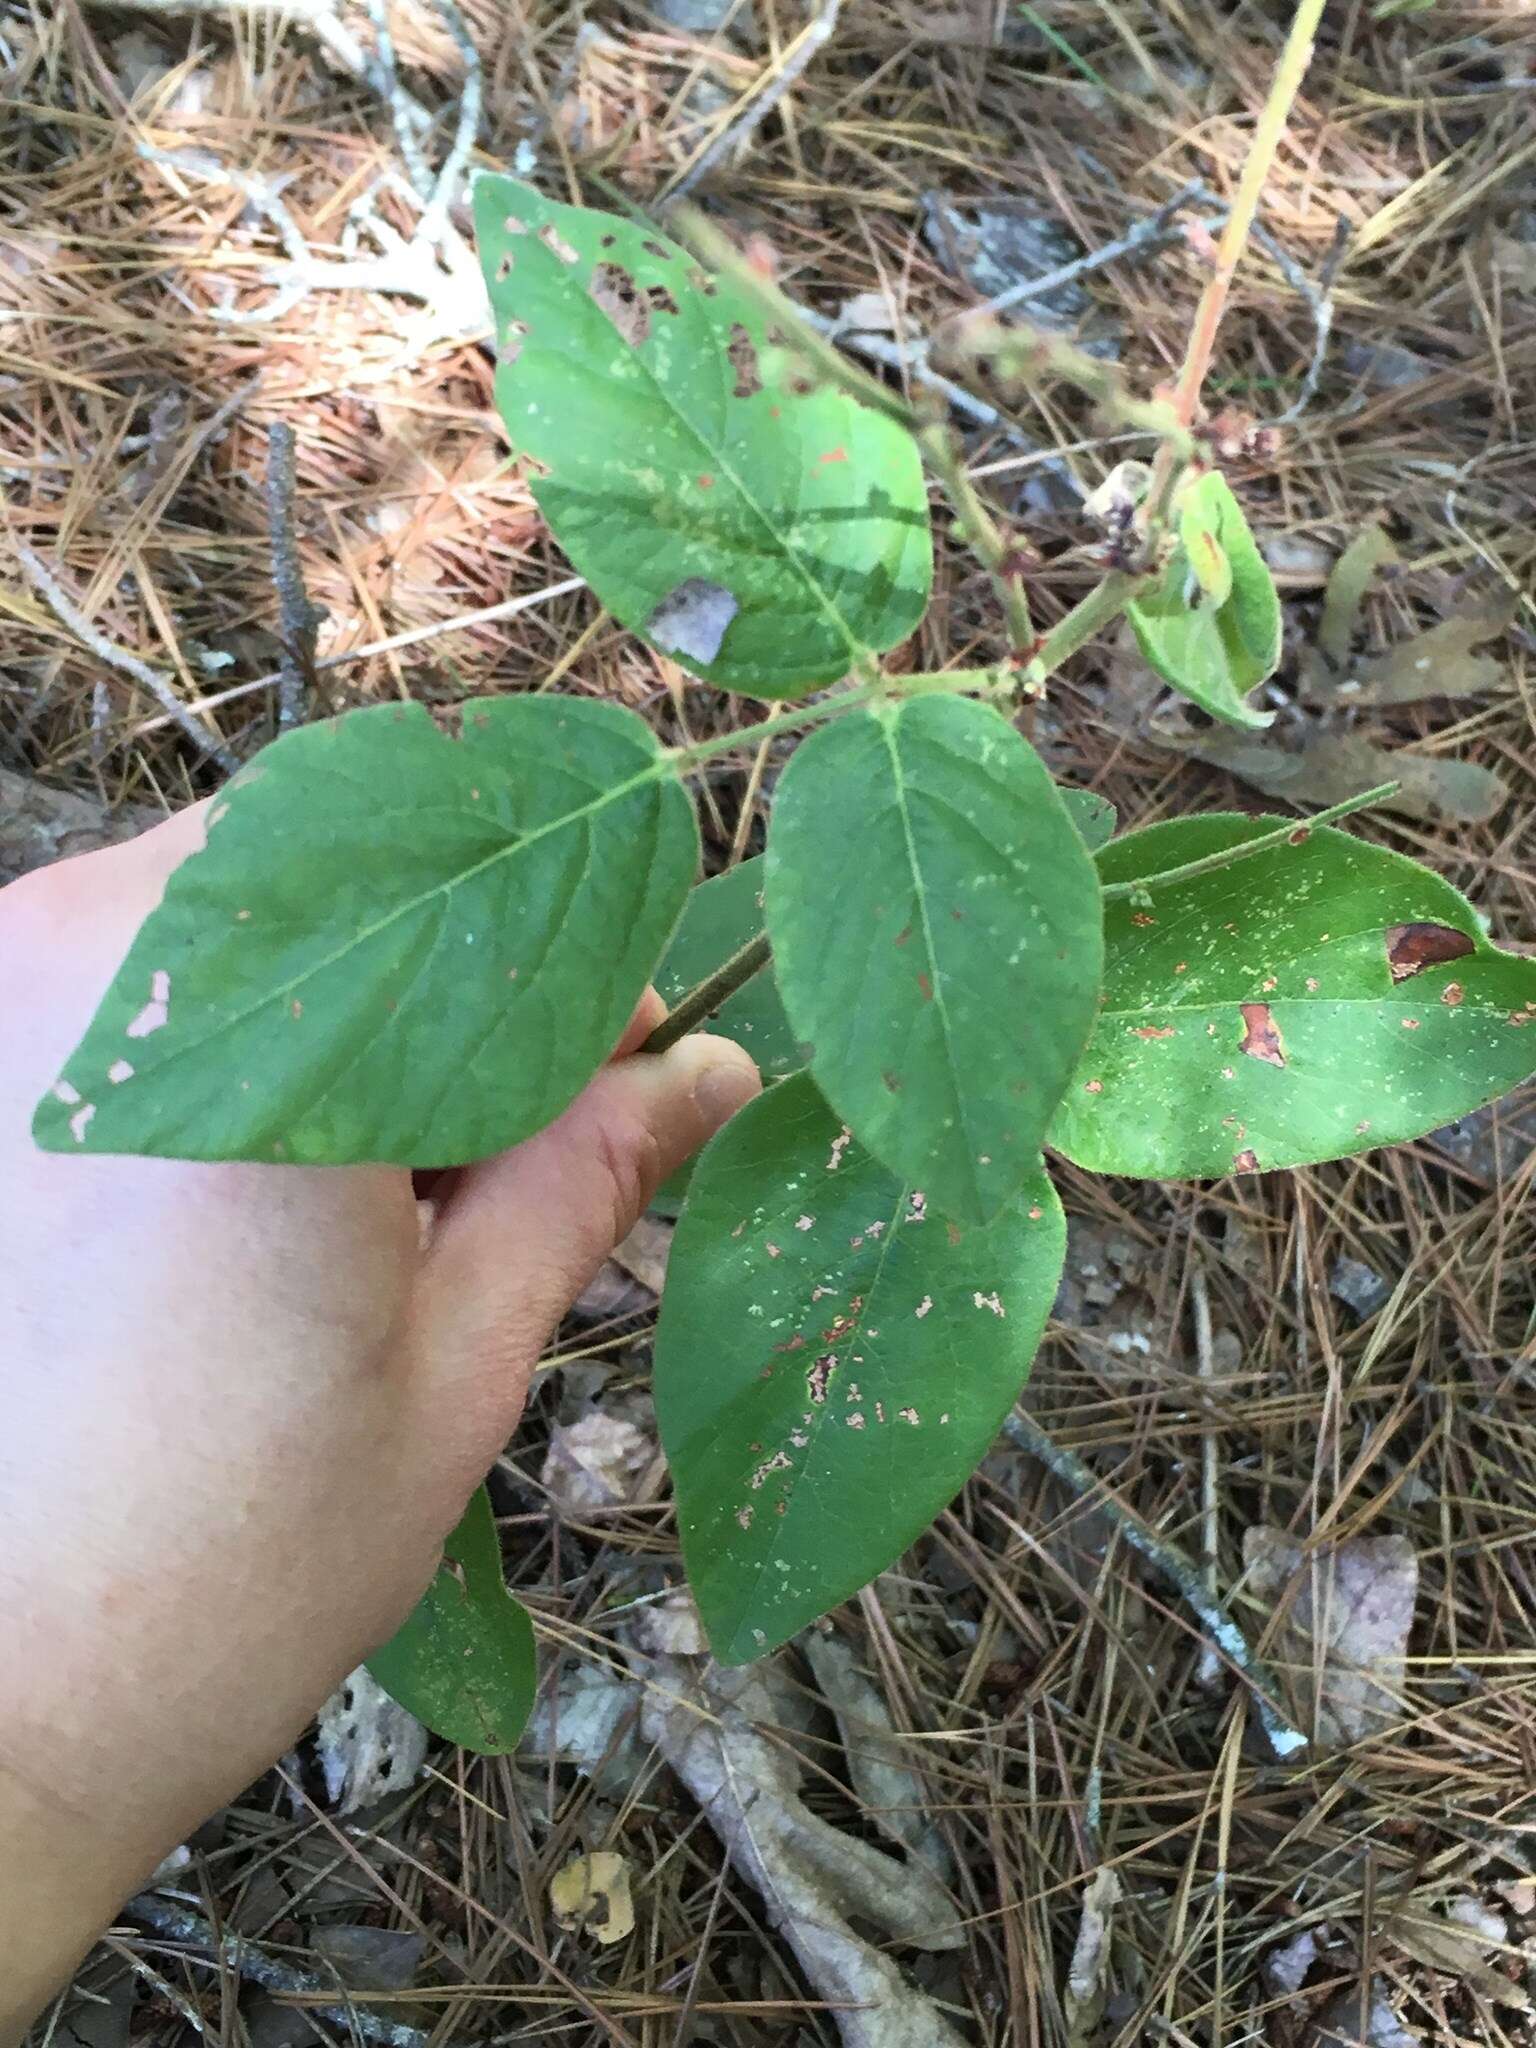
[1156,227]
[299,619]
[1319,298]
[760,101]
[1180,1570]
[159,686]
[233,1952]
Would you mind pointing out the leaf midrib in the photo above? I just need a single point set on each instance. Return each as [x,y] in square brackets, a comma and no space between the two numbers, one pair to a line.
[655,771]
[778,546]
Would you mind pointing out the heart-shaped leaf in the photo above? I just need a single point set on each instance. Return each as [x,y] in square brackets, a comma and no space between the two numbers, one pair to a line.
[395,946]
[1211,624]
[464,1663]
[760,526]
[832,1360]
[1300,1004]
[937,939]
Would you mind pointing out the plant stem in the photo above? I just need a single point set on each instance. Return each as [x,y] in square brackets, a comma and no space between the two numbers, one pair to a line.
[1294,59]
[705,998]
[981,531]
[1105,602]
[1293,833]
[989,682]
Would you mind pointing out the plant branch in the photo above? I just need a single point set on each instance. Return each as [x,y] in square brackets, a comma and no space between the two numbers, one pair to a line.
[1180,1570]
[1103,604]
[1294,833]
[981,531]
[702,1001]
[983,682]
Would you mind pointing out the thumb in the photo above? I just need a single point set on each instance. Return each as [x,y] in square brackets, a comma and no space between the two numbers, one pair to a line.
[521,1235]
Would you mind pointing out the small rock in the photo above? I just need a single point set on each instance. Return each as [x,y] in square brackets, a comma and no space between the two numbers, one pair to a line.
[1493,1143]
[1384,365]
[1358,1286]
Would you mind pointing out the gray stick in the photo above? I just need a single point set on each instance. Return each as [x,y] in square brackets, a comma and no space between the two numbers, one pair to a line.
[299,619]
[1319,298]
[233,1952]
[1180,1571]
[1157,227]
[759,106]
[159,686]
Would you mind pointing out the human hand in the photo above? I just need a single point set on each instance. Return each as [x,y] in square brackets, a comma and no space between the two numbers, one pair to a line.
[240,1408]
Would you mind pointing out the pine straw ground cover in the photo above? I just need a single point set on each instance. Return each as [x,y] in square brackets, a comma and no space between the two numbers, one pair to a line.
[1051,1691]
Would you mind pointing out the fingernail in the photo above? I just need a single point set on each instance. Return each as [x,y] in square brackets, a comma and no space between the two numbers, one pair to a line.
[722,1089]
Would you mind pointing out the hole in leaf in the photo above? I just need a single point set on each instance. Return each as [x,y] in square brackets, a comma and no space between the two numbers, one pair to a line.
[1261,1034]
[692,620]
[743,357]
[512,342]
[513,226]
[504,268]
[615,293]
[556,243]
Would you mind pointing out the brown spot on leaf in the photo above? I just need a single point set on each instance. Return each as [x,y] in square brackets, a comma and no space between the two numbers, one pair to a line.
[1452,993]
[903,935]
[742,353]
[614,292]
[1142,917]
[512,343]
[1093,1087]
[1246,1161]
[820,1373]
[1413,947]
[891,1080]
[838,454]
[655,249]
[1261,1034]
[706,482]
[1152,1031]
[952,1232]
[926,986]
[556,243]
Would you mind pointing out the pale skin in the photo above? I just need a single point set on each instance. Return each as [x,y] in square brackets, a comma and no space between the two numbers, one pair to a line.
[240,1408]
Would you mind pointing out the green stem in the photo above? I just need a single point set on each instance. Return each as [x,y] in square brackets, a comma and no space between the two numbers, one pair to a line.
[1104,603]
[1292,833]
[988,682]
[705,998]
[981,531]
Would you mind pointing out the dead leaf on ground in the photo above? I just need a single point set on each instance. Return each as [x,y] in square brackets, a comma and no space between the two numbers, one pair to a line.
[1353,2021]
[1456,1938]
[644,1253]
[596,1462]
[1287,1967]
[1440,662]
[715,1729]
[1348,582]
[1346,1613]
[368,1746]
[592,1893]
[1087,1974]
[1330,767]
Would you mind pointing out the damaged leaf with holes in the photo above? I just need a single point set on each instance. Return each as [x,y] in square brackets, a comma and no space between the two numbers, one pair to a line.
[383,991]
[761,527]
[464,1662]
[862,1352]
[1304,1003]
[1211,624]
[937,940]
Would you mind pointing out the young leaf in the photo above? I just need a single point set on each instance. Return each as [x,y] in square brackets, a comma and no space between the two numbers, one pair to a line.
[1298,1005]
[762,528]
[1211,624]
[464,1662]
[832,1361]
[937,939]
[1092,814]
[720,917]
[395,946]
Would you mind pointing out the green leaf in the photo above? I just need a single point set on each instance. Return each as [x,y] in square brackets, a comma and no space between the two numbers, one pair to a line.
[763,529]
[720,917]
[464,1663]
[395,946]
[1213,649]
[832,1360]
[1092,814]
[1298,1005]
[937,939]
